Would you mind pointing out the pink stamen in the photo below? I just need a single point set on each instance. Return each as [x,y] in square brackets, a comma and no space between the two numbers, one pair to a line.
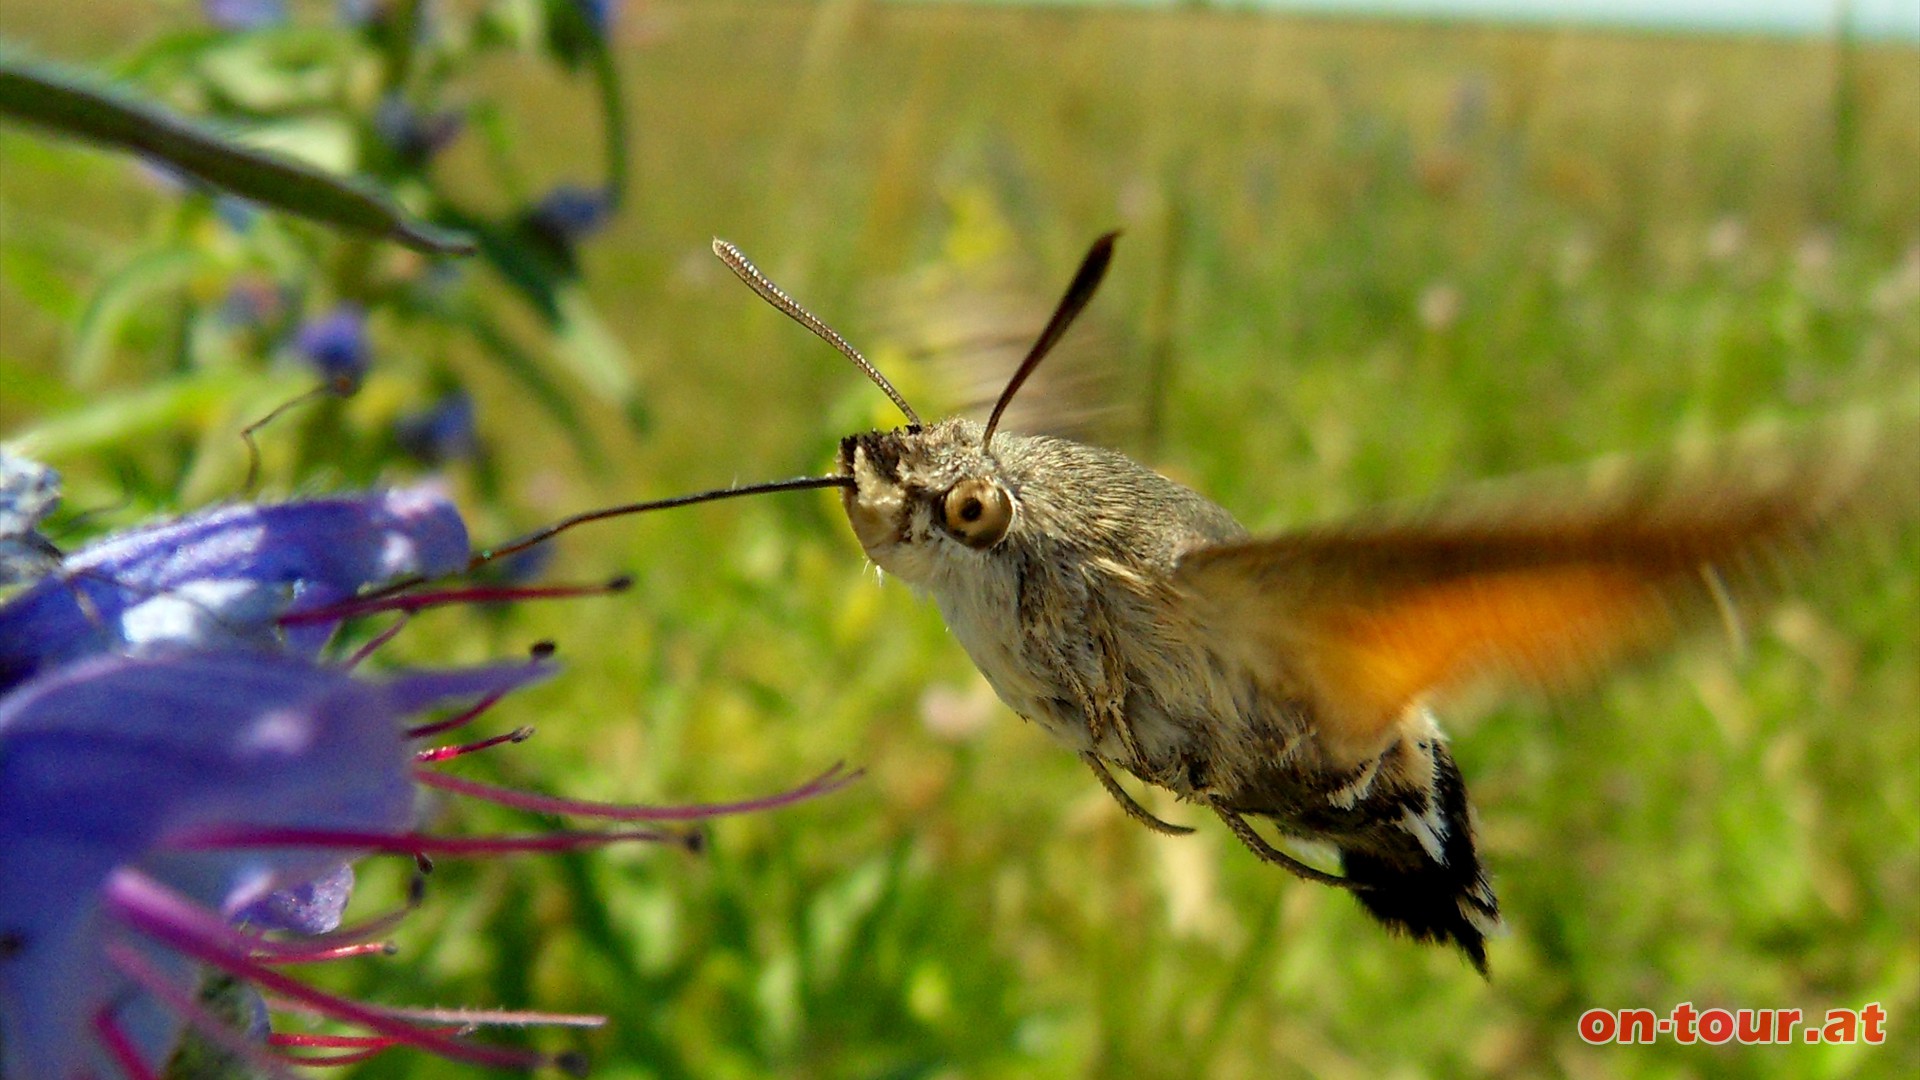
[831,780]
[271,950]
[120,1048]
[338,952]
[228,838]
[459,719]
[442,753]
[171,920]
[137,968]
[473,594]
[358,1048]
[374,643]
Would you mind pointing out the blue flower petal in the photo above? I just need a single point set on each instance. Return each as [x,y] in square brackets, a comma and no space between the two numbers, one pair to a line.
[570,213]
[441,433]
[104,761]
[222,576]
[311,907]
[600,14]
[414,137]
[335,344]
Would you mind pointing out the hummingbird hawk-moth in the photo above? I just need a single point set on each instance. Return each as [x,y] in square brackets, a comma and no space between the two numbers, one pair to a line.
[1289,678]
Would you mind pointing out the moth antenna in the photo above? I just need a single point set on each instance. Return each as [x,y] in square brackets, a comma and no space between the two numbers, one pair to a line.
[1086,280]
[744,269]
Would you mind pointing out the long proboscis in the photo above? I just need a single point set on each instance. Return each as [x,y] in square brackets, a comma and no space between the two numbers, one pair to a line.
[1086,281]
[744,269]
[547,532]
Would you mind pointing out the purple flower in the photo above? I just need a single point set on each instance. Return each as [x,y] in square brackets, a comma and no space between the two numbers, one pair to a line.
[336,346]
[184,787]
[441,433]
[239,575]
[600,14]
[244,14]
[309,907]
[412,136]
[132,794]
[157,814]
[570,213]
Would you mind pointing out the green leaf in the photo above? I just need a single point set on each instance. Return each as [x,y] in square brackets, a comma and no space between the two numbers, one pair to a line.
[183,401]
[29,391]
[577,43]
[590,349]
[25,267]
[168,52]
[118,299]
[531,375]
[279,71]
[532,273]
[321,141]
[613,123]
[75,103]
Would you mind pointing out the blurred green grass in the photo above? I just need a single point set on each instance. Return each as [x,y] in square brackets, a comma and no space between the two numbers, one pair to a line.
[1375,259]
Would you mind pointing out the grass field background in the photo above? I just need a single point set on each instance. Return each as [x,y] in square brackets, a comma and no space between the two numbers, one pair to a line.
[1362,262]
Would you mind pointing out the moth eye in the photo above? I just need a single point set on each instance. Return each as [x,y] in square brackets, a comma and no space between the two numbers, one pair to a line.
[978,512]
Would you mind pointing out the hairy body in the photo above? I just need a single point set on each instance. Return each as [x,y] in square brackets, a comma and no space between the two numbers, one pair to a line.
[1079,618]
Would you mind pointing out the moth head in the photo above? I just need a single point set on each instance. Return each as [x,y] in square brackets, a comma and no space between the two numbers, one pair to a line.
[922,495]
[917,495]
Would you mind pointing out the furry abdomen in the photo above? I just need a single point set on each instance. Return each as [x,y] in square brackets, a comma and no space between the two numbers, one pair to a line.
[1404,831]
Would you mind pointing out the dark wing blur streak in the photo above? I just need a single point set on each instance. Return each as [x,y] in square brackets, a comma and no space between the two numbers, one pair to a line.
[1086,282]
[972,322]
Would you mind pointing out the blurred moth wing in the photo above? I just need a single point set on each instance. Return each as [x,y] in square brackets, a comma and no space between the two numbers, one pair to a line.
[1545,581]
[968,323]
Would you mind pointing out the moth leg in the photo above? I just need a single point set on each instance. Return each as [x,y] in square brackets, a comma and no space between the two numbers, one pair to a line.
[1268,853]
[1103,716]
[1098,720]
[1134,810]
[1111,706]
[1097,675]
